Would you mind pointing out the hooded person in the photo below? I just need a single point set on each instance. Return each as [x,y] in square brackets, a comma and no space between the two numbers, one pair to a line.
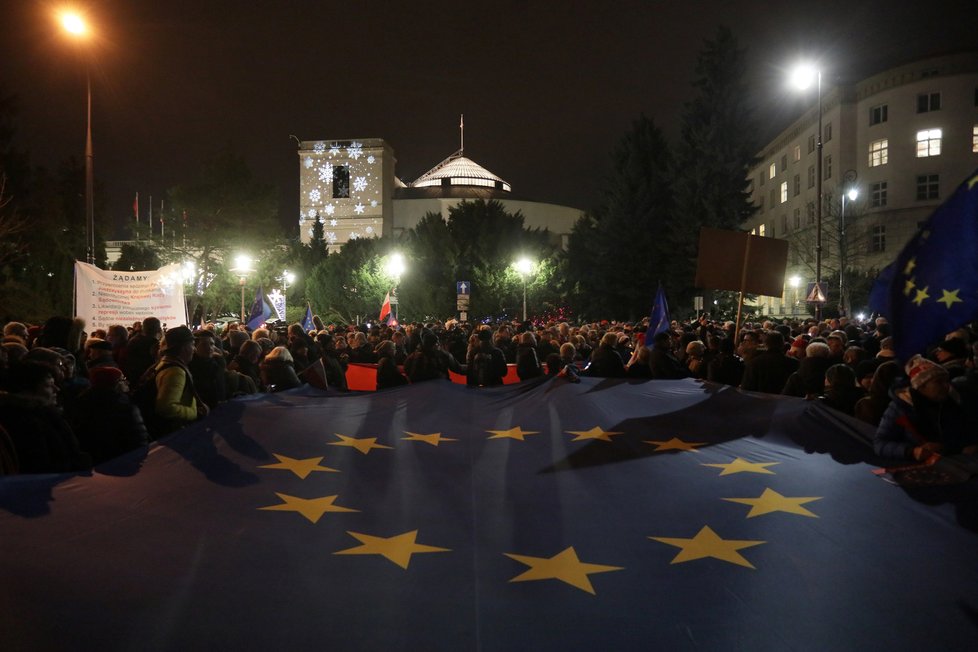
[925,417]
[175,402]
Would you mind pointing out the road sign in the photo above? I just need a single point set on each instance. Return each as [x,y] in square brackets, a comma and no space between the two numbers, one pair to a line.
[817,293]
[463,287]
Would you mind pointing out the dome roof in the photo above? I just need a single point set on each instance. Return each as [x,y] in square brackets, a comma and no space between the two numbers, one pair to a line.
[457,170]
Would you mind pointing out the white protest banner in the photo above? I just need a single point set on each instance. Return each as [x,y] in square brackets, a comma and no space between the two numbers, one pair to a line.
[107,297]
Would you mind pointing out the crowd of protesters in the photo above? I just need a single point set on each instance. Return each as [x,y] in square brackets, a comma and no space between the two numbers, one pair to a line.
[71,399]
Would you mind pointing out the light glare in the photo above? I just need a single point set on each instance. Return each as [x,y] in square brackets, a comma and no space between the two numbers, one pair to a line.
[73,23]
[803,76]
[524,265]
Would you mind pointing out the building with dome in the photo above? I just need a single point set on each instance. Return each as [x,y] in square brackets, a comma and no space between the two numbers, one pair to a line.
[351,187]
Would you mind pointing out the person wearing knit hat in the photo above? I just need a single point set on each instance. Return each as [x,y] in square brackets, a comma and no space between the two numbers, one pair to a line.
[926,418]
[952,354]
[104,418]
[104,377]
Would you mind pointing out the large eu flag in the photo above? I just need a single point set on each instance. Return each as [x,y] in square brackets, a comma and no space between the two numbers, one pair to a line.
[604,515]
[934,287]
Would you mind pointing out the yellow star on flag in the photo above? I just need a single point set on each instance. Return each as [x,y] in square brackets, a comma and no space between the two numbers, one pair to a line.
[950,298]
[909,286]
[740,465]
[434,438]
[397,549]
[771,501]
[707,543]
[301,468]
[921,296]
[564,566]
[675,444]
[910,265]
[311,508]
[363,445]
[512,433]
[594,433]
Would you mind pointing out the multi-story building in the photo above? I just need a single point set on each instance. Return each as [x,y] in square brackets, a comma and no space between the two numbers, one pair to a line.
[904,139]
[351,188]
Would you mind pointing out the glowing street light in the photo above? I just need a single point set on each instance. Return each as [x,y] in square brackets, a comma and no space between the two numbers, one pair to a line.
[75,25]
[852,194]
[795,282]
[242,267]
[524,266]
[802,78]
[395,267]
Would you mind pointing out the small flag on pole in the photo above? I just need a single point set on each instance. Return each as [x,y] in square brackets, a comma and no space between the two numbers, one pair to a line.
[659,317]
[261,310]
[385,310]
[307,322]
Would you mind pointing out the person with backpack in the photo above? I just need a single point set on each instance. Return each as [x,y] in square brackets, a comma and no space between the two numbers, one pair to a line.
[486,363]
[166,395]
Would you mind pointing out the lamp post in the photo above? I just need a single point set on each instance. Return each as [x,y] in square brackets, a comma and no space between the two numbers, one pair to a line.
[242,267]
[287,277]
[795,282]
[524,266]
[852,194]
[802,78]
[75,25]
[395,268]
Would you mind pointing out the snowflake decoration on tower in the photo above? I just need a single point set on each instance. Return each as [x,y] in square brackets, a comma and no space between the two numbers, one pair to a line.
[312,212]
[330,209]
[358,209]
[373,203]
[308,162]
[319,147]
[354,235]
[360,184]
[371,159]
[332,222]
[326,172]
[369,229]
[334,149]
[315,195]
[355,150]
[310,233]
[330,237]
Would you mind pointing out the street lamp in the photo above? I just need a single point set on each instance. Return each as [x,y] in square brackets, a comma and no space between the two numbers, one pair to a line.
[524,266]
[802,77]
[395,268]
[76,26]
[242,267]
[852,194]
[795,282]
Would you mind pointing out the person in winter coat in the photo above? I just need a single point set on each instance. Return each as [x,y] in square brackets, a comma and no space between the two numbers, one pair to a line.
[927,418]
[527,363]
[104,419]
[278,370]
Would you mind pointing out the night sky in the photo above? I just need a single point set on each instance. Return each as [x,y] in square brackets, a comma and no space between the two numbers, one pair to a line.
[547,88]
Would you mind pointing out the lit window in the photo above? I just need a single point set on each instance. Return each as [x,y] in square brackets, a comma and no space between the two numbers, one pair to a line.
[878,238]
[877,194]
[827,168]
[771,171]
[928,187]
[796,153]
[928,142]
[760,230]
[927,102]
[784,191]
[974,139]
[879,152]
[877,114]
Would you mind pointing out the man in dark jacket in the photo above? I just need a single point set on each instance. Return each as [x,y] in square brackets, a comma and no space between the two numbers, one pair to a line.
[486,363]
[665,365]
[769,369]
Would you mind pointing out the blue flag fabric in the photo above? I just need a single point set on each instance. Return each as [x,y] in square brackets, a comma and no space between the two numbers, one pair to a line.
[659,317]
[307,323]
[935,285]
[603,515]
[261,310]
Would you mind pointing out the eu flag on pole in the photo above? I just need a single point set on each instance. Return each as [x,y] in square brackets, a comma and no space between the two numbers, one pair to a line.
[307,323]
[261,310]
[935,288]
[659,317]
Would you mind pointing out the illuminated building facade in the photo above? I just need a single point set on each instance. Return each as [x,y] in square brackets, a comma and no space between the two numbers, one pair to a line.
[904,139]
